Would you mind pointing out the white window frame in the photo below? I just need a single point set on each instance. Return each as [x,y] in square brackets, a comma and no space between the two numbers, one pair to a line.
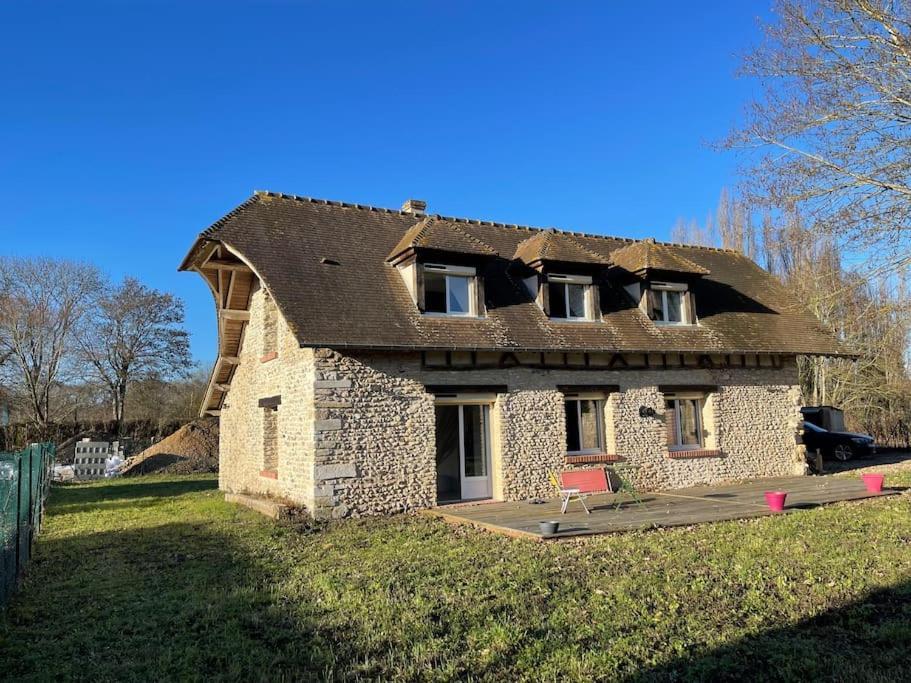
[700,397]
[662,288]
[583,280]
[599,400]
[456,271]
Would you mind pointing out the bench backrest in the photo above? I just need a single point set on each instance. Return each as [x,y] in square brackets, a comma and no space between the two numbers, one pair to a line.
[587,481]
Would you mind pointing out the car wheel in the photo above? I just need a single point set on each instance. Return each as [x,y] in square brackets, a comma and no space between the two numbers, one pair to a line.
[842,452]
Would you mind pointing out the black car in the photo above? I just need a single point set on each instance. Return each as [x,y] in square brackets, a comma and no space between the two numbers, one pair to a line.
[840,445]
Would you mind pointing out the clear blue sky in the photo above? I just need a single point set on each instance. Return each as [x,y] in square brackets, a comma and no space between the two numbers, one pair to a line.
[126,128]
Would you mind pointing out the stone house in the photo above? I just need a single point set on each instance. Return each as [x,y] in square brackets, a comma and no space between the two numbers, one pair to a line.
[375,360]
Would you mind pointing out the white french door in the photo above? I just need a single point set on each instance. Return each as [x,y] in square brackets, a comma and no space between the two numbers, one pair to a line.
[463,451]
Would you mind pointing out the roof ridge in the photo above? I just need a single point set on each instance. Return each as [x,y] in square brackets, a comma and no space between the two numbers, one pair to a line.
[472,238]
[427,222]
[472,221]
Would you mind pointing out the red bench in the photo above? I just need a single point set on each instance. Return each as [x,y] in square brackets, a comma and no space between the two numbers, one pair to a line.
[577,484]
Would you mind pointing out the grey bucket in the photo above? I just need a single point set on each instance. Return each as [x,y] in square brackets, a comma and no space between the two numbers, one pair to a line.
[549,528]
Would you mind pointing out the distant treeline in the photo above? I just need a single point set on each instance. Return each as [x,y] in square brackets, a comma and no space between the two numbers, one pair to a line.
[16,436]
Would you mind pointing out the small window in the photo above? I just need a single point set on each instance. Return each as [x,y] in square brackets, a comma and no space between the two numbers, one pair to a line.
[270,438]
[584,426]
[684,422]
[449,290]
[670,303]
[568,297]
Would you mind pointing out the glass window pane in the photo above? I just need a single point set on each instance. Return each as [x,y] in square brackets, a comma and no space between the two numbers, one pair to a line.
[475,428]
[576,300]
[657,301]
[434,292]
[572,427]
[557,295]
[674,307]
[670,412]
[689,422]
[458,295]
[591,425]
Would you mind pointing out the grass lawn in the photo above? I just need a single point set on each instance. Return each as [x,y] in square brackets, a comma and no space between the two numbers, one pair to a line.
[157,578]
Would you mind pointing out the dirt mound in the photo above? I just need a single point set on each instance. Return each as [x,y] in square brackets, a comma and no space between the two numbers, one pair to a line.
[192,448]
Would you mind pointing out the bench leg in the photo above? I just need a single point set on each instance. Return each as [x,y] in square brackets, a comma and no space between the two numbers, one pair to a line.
[582,500]
[565,504]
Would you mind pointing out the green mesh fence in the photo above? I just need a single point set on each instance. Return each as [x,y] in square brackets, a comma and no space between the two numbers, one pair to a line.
[24,483]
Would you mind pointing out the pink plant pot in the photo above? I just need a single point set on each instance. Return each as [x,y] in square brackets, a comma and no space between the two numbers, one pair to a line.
[775,500]
[873,482]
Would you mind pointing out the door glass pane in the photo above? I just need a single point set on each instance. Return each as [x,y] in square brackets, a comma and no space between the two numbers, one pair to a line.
[475,441]
[689,422]
[576,300]
[447,441]
[674,307]
[557,296]
[572,427]
[434,292]
[591,426]
[458,295]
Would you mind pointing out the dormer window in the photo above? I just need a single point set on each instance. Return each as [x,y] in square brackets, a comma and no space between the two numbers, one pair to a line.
[450,290]
[569,297]
[670,304]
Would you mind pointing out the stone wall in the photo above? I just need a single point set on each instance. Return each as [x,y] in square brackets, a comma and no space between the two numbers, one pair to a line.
[287,371]
[356,430]
[375,427]
[375,448]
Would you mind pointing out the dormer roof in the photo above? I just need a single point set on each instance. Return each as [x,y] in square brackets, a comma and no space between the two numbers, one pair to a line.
[434,233]
[550,247]
[647,255]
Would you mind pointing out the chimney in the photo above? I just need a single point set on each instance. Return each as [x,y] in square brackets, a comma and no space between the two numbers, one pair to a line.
[414,206]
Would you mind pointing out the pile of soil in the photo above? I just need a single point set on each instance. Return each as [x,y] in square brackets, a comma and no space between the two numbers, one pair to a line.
[192,448]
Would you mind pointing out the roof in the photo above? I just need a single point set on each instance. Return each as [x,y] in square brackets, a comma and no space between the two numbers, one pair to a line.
[325,265]
[551,246]
[649,255]
[437,234]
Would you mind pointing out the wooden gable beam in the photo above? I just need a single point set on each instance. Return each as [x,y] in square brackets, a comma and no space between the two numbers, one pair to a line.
[234,314]
[223,264]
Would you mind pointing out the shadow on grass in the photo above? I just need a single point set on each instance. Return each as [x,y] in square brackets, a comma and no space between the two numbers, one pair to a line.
[217,597]
[867,640]
[69,498]
[171,602]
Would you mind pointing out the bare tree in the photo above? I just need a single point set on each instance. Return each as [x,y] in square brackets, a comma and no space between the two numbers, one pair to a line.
[868,312]
[41,302]
[177,399]
[833,126]
[134,333]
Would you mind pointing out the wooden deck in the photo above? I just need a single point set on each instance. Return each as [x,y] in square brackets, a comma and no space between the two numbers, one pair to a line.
[680,507]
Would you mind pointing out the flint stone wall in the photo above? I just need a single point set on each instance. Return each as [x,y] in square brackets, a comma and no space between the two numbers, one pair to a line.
[374,429]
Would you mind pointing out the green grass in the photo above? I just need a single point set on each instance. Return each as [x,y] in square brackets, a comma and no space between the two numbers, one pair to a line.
[157,578]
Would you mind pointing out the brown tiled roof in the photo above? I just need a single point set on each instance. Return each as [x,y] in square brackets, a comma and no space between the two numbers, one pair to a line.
[325,265]
[550,246]
[437,234]
[649,255]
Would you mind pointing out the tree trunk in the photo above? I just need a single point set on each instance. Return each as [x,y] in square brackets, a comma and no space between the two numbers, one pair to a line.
[120,394]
